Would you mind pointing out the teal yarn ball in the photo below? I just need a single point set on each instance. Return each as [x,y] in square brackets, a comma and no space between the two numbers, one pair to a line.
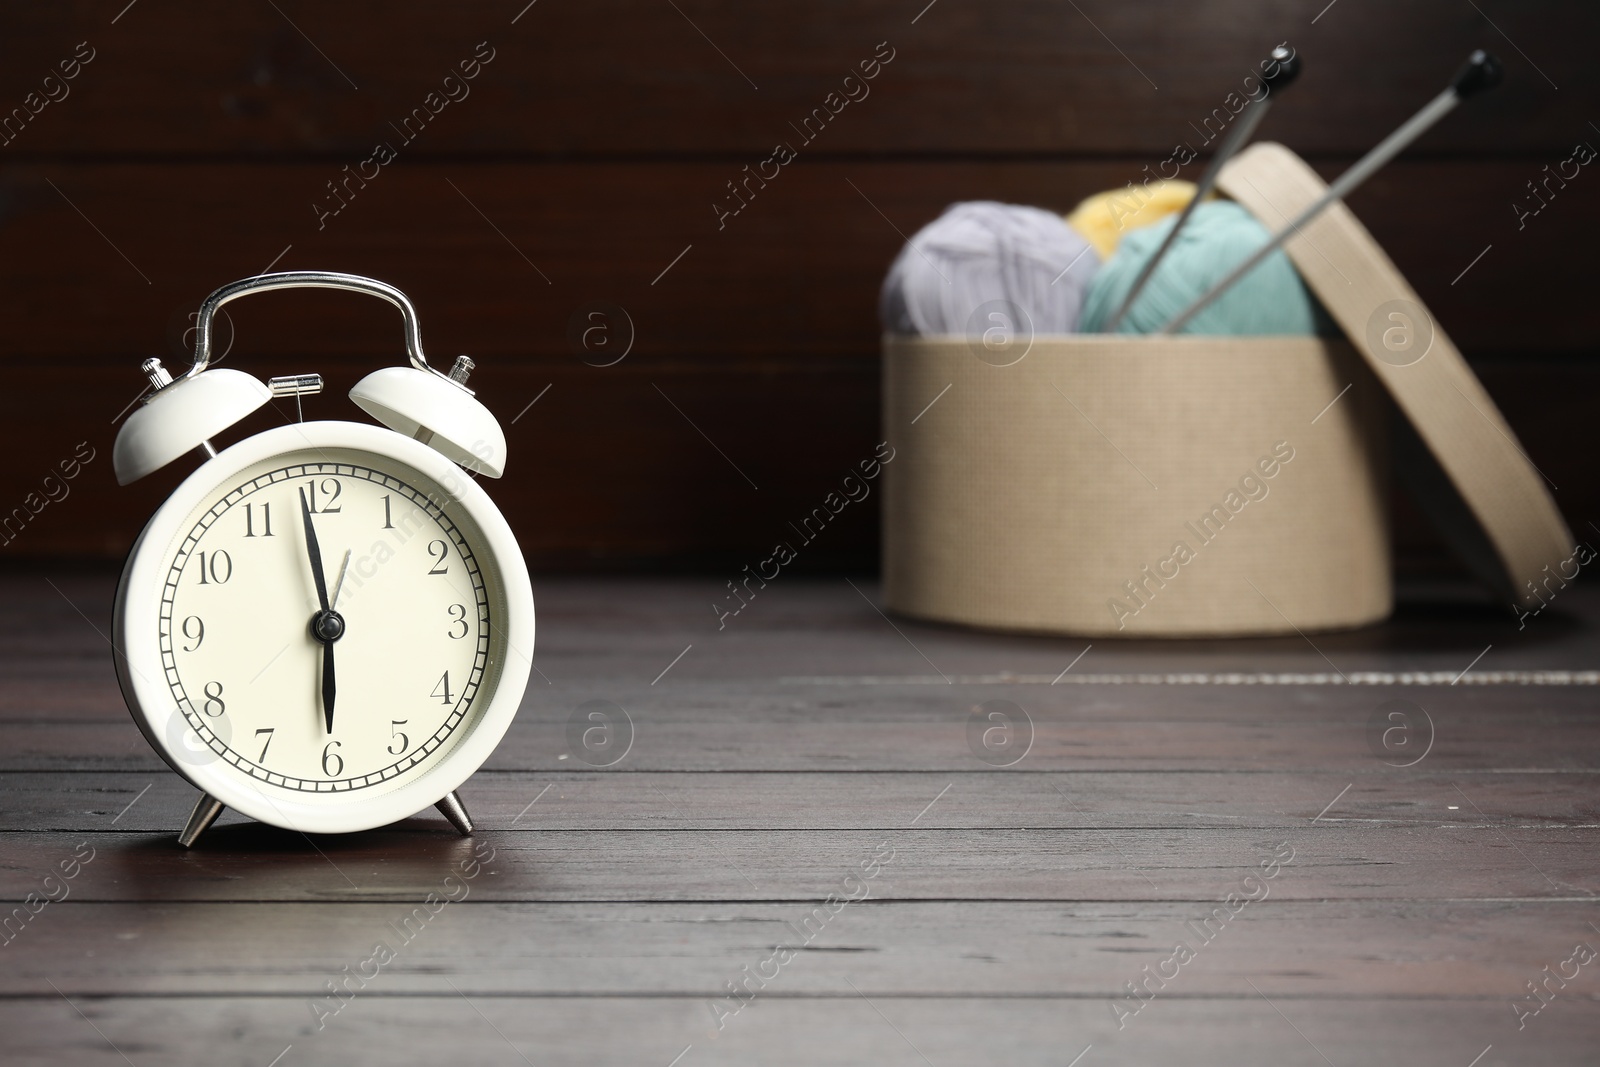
[1219,235]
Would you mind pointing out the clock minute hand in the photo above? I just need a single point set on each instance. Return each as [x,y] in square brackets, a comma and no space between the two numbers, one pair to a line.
[326,625]
[313,551]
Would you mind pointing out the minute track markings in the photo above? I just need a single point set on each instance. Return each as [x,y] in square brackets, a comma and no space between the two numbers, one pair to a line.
[468,693]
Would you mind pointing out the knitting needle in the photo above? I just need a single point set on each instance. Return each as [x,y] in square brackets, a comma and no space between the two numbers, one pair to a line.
[1482,71]
[1284,66]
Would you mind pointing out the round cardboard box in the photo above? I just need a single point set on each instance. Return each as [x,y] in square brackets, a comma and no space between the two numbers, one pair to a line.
[1136,485]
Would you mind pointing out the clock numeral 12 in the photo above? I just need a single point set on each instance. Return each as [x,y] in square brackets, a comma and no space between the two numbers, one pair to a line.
[250,520]
[331,489]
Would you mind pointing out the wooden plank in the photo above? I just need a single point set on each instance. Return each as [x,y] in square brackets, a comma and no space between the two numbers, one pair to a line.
[795,273]
[612,460]
[1314,949]
[762,332]
[824,639]
[827,800]
[741,701]
[615,78]
[908,736]
[603,471]
[845,1028]
[736,727]
[1346,861]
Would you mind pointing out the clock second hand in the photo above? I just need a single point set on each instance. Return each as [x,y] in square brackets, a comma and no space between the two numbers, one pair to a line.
[327,625]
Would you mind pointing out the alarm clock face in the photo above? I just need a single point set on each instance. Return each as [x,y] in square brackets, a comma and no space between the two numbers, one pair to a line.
[347,705]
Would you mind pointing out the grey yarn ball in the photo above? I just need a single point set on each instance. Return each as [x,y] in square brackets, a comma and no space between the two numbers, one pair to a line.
[980,252]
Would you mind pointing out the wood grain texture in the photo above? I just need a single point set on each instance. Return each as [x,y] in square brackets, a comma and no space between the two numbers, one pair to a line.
[617,78]
[869,799]
[1336,861]
[1008,911]
[845,1028]
[1317,949]
[794,274]
[763,334]
[589,155]
[781,750]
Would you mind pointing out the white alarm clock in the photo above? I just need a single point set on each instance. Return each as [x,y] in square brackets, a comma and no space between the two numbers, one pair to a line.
[329,625]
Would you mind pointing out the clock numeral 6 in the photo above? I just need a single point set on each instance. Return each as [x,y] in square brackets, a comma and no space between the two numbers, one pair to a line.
[458,616]
[331,757]
[219,568]
[398,735]
[213,698]
[438,550]
[198,627]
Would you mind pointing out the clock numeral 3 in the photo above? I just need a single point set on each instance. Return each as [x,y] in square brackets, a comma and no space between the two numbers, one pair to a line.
[458,615]
[265,744]
[437,550]
[213,698]
[219,568]
[331,757]
[442,690]
[198,626]
[398,735]
[330,489]
[250,520]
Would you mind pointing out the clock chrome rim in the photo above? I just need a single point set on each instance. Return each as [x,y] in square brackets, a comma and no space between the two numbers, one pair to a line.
[138,654]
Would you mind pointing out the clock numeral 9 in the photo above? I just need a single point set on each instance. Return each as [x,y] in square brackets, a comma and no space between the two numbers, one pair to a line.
[458,616]
[197,625]
[331,757]
[442,690]
[438,550]
[398,735]
[219,567]
[250,520]
[331,489]
[213,698]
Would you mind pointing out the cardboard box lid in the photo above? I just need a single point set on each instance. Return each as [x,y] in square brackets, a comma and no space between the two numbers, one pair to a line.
[1481,469]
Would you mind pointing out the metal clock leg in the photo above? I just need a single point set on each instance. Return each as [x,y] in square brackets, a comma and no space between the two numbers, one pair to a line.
[452,809]
[206,810]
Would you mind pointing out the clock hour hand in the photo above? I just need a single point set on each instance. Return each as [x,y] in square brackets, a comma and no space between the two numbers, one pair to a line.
[327,625]
[327,683]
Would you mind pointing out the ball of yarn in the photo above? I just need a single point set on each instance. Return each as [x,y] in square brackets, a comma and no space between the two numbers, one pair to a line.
[1106,218]
[1219,235]
[980,252]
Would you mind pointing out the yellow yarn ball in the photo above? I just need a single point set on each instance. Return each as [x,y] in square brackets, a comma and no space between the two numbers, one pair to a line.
[1105,218]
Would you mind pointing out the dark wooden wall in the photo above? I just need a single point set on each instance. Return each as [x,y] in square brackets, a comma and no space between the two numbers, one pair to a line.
[587,158]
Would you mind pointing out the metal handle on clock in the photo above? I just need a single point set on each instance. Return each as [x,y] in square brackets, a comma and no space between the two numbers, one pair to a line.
[309,279]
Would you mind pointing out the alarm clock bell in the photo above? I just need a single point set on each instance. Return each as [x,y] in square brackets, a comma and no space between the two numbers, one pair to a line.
[418,400]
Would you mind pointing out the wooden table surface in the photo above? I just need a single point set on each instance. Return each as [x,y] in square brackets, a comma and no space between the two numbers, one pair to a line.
[803,809]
